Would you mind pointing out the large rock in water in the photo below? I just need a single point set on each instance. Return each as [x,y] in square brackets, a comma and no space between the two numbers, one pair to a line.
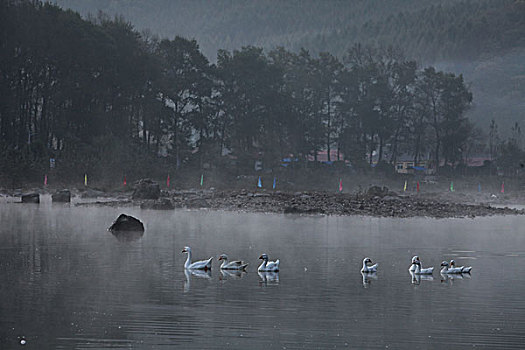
[31,198]
[126,223]
[146,189]
[63,196]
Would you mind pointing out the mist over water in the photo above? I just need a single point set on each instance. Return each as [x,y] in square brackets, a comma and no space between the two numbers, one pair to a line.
[68,283]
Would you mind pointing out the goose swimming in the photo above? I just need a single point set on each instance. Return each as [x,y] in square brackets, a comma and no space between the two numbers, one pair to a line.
[367,268]
[268,266]
[422,271]
[464,269]
[412,267]
[446,269]
[197,265]
[232,265]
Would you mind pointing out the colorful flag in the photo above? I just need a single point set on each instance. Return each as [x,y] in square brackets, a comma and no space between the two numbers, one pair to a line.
[259,183]
[479,187]
[45,179]
[168,181]
[451,186]
[274,182]
[405,188]
[202,179]
[503,187]
[418,186]
[85,179]
[340,185]
[125,182]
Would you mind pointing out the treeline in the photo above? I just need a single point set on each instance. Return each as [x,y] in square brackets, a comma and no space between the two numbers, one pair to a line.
[100,98]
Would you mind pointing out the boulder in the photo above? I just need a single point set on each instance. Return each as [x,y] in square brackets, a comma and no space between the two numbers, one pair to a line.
[126,223]
[146,189]
[160,204]
[62,196]
[376,191]
[31,198]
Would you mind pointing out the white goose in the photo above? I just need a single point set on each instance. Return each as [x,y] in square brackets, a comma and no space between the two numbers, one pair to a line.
[412,267]
[268,266]
[422,271]
[197,265]
[368,269]
[232,265]
[446,269]
[464,269]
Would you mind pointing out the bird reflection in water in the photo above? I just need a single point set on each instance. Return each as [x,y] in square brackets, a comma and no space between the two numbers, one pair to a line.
[368,277]
[197,273]
[417,278]
[450,278]
[268,278]
[231,274]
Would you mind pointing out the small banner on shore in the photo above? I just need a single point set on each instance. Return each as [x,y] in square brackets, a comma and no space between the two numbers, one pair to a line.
[168,181]
[340,185]
[274,182]
[259,183]
[202,179]
[45,180]
[479,187]
[418,186]
[85,179]
[451,186]
[125,182]
[503,187]
[405,188]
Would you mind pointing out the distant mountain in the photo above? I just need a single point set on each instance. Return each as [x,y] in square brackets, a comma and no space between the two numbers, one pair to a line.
[483,39]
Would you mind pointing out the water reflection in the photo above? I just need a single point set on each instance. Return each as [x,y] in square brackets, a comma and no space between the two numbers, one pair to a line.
[268,278]
[130,295]
[231,274]
[417,278]
[449,278]
[368,277]
[188,273]
[127,236]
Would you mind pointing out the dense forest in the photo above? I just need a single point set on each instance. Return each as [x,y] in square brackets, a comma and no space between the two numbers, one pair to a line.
[482,39]
[101,98]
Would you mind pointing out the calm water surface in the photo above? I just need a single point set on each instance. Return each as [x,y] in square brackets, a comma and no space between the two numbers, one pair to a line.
[66,283]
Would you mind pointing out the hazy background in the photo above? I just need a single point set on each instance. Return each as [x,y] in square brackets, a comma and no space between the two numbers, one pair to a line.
[482,39]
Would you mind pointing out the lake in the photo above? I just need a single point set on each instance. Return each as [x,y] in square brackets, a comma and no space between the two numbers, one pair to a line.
[67,283]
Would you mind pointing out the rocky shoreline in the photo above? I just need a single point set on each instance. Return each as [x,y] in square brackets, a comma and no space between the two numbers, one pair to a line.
[376,202]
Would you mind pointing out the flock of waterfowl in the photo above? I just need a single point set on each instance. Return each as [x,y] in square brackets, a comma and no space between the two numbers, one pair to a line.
[447,268]
[273,266]
[266,266]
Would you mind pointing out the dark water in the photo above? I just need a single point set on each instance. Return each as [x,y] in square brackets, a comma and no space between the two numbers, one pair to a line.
[66,283]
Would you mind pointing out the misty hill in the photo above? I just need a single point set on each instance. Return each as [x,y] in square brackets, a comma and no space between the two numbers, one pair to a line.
[428,29]
[483,39]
